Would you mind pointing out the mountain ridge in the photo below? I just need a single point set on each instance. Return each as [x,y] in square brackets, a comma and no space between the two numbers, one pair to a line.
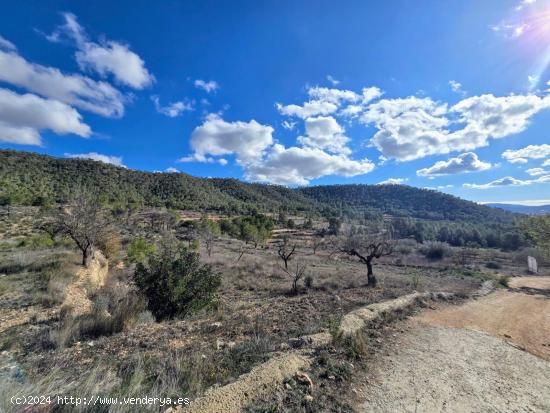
[28,178]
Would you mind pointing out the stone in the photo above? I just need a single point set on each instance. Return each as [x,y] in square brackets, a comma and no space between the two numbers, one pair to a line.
[296,342]
[308,398]
[304,379]
[532,265]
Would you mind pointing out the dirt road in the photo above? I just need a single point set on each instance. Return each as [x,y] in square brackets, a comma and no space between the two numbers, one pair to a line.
[487,355]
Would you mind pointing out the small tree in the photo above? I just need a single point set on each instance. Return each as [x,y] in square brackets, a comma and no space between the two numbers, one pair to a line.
[139,250]
[82,220]
[285,251]
[366,248]
[537,228]
[209,231]
[316,243]
[296,274]
[175,283]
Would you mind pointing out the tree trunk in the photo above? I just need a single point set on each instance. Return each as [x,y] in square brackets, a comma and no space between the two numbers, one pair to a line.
[85,257]
[371,279]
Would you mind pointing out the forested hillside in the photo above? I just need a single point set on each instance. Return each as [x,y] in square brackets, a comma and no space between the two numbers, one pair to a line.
[32,179]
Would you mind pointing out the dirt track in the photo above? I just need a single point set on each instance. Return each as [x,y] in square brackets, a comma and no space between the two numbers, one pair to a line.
[460,359]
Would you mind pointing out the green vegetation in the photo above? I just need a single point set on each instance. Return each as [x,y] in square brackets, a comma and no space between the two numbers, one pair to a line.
[175,283]
[139,250]
[436,250]
[537,229]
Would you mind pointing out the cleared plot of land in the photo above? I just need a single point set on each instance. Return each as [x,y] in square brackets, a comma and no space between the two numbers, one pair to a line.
[436,367]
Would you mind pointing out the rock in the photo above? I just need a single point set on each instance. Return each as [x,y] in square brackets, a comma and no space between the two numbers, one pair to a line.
[217,324]
[304,379]
[288,386]
[308,398]
[284,346]
[220,344]
[296,342]
[332,377]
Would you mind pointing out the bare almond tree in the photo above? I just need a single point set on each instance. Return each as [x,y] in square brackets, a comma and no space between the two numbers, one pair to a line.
[285,251]
[83,220]
[366,248]
[296,274]
[316,243]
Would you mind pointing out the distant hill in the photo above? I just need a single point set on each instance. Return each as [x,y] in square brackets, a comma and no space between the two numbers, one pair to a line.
[522,209]
[28,178]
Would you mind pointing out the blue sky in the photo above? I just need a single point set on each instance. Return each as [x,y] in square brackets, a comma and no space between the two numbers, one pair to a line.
[448,95]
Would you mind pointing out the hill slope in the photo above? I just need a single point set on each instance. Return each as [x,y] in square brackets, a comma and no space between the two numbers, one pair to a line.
[28,178]
[523,209]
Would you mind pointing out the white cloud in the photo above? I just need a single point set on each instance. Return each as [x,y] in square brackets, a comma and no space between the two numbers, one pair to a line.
[335,96]
[107,57]
[457,87]
[332,80]
[311,108]
[210,86]
[264,160]
[352,111]
[216,137]
[288,125]
[537,171]
[509,181]
[113,160]
[533,81]
[510,30]
[408,128]
[171,170]
[5,44]
[546,163]
[370,93]
[173,109]
[466,162]
[523,3]
[80,91]
[325,101]
[393,181]
[297,166]
[23,116]
[524,154]
[324,132]
[411,128]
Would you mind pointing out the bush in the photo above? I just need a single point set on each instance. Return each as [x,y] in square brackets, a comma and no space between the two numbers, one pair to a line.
[405,246]
[139,250]
[493,265]
[503,281]
[37,241]
[436,250]
[520,257]
[308,282]
[109,245]
[175,283]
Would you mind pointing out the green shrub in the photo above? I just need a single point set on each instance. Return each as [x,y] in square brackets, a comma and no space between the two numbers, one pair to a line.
[139,250]
[436,250]
[503,281]
[493,265]
[175,283]
[37,241]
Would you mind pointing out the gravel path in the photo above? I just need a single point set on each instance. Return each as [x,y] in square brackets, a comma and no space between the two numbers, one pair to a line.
[435,367]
